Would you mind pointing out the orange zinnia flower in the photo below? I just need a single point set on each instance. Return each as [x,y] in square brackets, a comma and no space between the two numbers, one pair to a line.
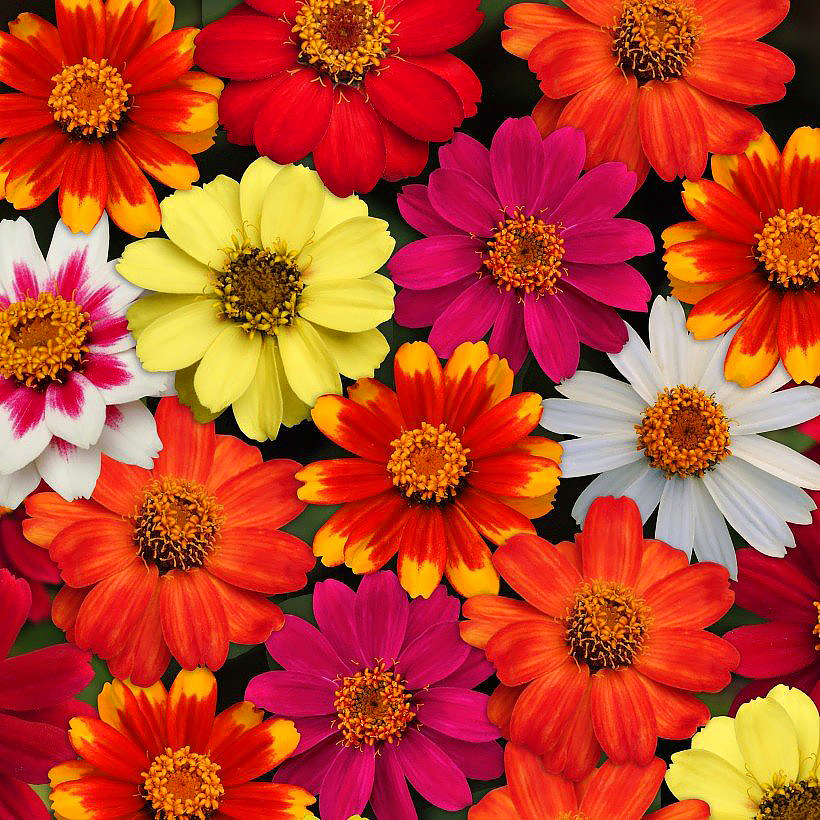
[752,258]
[607,644]
[443,462]
[105,96]
[153,753]
[176,560]
[653,82]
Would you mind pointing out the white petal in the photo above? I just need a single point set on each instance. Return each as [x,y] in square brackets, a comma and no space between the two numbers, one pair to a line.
[746,396]
[712,539]
[70,471]
[16,486]
[121,293]
[666,341]
[17,449]
[64,244]
[777,410]
[638,481]
[595,388]
[75,411]
[712,380]
[778,460]
[639,368]
[581,419]
[130,435]
[676,514]
[19,249]
[595,454]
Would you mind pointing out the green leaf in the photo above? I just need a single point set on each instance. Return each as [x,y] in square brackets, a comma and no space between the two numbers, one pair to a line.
[214,9]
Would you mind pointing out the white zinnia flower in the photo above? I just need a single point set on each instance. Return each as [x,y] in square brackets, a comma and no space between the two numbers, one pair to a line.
[681,436]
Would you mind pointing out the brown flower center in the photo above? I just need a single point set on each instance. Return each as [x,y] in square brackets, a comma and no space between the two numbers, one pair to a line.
[343,39]
[428,463]
[605,626]
[176,524]
[526,254]
[789,249]
[373,706]
[655,39]
[42,339]
[89,99]
[792,801]
[182,785]
[260,289]
[685,432]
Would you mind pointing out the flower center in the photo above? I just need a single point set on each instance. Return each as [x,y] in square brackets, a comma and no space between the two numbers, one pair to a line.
[605,625]
[428,463]
[791,801]
[684,432]
[789,249]
[42,339]
[655,39]
[372,706]
[260,289]
[89,98]
[182,785]
[342,38]
[572,815]
[176,524]
[525,254]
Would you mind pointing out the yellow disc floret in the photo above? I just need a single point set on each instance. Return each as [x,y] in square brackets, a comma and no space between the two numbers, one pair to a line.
[182,785]
[789,249]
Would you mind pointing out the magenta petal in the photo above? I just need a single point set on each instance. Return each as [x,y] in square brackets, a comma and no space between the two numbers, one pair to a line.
[333,604]
[552,336]
[475,669]
[457,712]
[300,647]
[420,308]
[415,208]
[598,325]
[381,612]
[566,152]
[31,562]
[292,694]
[432,773]
[313,730]
[468,318]
[19,800]
[509,339]
[463,153]
[28,750]
[464,202]
[308,770]
[434,655]
[43,678]
[617,284]
[426,612]
[478,761]
[599,194]
[61,714]
[15,602]
[606,240]
[436,261]
[772,649]
[348,783]
[391,797]
[518,164]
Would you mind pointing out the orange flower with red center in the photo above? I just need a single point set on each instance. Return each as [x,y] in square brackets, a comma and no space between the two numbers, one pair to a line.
[657,83]
[176,560]
[443,462]
[608,644]
[100,100]
[751,259]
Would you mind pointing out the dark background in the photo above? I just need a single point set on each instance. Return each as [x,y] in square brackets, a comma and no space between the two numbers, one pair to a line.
[509,90]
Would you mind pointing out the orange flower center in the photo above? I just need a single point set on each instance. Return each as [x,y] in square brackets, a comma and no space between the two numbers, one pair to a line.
[176,524]
[182,785]
[343,39]
[42,339]
[260,289]
[89,99]
[799,800]
[605,625]
[789,249]
[428,463]
[526,254]
[572,815]
[655,39]
[685,432]
[373,706]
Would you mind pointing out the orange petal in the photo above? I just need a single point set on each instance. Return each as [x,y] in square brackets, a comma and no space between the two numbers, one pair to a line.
[495,520]
[716,313]
[729,127]
[257,751]
[537,793]
[753,352]
[501,704]
[342,479]
[163,160]
[188,446]
[659,561]
[678,715]
[179,111]
[251,618]
[527,649]
[22,114]
[230,725]
[801,170]
[628,787]
[83,187]
[694,597]
[419,384]
[797,334]
[612,540]
[422,551]
[709,260]
[721,211]
[572,59]
[162,62]
[487,614]
[272,801]
[495,805]
[379,400]
[132,203]
[692,294]
[131,25]
[24,68]
[684,232]
[81,24]
[50,514]
[469,563]
[503,425]
[514,474]
[41,36]
[92,549]
[529,23]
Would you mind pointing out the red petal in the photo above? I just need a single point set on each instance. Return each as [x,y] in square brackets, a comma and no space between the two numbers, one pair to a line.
[166,162]
[404,156]
[162,62]
[800,171]
[527,649]
[188,446]
[132,25]
[729,127]
[36,171]
[797,335]
[459,75]
[240,104]
[24,68]
[178,110]
[93,549]
[501,426]
[132,203]
[493,518]
[190,711]
[717,312]
[772,650]
[419,384]
[488,614]
[251,618]
[83,187]
[353,427]
[753,352]
[107,749]
[41,36]
[694,597]
[422,551]
[678,715]
[81,24]
[721,211]
[423,27]
[21,114]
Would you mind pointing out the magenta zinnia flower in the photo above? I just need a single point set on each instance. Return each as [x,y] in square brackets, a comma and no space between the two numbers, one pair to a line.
[518,243]
[36,702]
[382,691]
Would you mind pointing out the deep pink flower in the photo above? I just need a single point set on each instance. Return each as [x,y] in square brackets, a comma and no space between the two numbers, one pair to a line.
[36,702]
[517,243]
[382,691]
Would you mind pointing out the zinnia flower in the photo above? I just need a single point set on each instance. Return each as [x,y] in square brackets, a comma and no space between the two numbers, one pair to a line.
[106,97]
[623,791]
[28,561]
[442,463]
[382,691]
[363,84]
[36,701]
[517,243]
[176,560]
[653,82]
[681,437]
[69,379]
[267,291]
[607,645]
[163,754]
[752,257]
[763,763]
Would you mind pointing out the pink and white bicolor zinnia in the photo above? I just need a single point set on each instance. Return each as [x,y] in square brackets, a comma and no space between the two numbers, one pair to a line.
[518,244]
[70,382]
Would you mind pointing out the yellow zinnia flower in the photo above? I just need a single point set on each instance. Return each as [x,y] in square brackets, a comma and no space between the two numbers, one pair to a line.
[761,764]
[265,292]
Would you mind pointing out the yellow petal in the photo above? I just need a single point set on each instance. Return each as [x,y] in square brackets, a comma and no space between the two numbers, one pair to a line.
[309,367]
[767,739]
[228,366]
[258,411]
[703,775]
[803,713]
[761,150]
[255,182]
[294,410]
[357,355]
[151,306]
[291,208]
[718,736]
[336,211]
[351,305]
[226,192]
[158,264]
[184,384]
[353,249]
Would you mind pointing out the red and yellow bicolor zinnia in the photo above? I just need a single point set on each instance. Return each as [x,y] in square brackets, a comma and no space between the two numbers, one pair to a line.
[100,100]
[752,257]
[608,645]
[165,754]
[442,462]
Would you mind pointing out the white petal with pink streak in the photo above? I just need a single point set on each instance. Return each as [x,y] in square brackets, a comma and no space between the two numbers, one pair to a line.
[23,271]
[75,411]
[130,435]
[70,471]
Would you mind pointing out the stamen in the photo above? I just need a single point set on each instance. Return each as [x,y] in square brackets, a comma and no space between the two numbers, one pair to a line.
[182,785]
[789,249]
[798,800]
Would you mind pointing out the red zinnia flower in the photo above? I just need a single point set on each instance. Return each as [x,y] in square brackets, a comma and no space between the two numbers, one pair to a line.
[443,462]
[153,753]
[607,645]
[176,560]
[365,85]
[653,82]
[104,97]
